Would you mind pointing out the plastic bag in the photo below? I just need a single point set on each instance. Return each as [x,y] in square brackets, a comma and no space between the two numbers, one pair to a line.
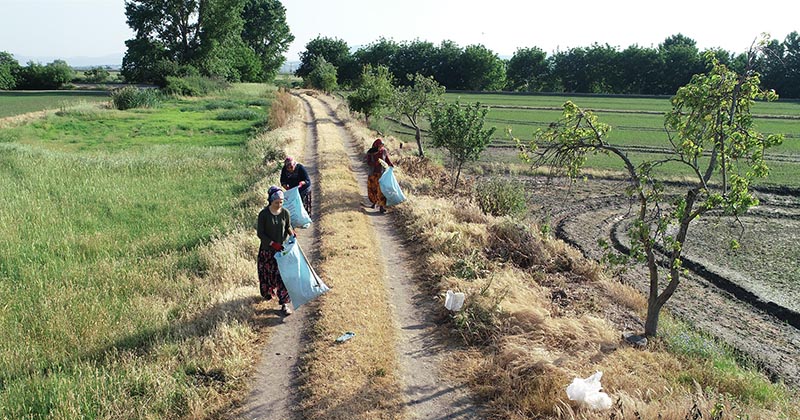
[294,203]
[587,391]
[390,188]
[453,300]
[300,279]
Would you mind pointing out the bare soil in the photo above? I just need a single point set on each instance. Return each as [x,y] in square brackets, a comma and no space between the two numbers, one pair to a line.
[742,303]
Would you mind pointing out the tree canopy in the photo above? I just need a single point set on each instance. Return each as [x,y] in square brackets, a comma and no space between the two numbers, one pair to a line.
[238,40]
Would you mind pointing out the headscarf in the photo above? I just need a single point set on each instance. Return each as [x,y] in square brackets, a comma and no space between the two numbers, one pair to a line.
[375,146]
[274,193]
[289,161]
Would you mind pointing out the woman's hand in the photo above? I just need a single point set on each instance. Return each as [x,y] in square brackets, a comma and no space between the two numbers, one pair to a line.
[276,246]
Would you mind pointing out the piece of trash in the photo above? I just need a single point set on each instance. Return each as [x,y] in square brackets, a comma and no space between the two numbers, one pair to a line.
[305,226]
[453,300]
[346,336]
[587,391]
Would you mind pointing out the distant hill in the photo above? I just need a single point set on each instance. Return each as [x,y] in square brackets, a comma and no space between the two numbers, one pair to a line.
[114,61]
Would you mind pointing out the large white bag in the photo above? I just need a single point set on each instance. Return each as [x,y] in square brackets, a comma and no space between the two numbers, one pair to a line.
[294,203]
[587,392]
[300,279]
[390,188]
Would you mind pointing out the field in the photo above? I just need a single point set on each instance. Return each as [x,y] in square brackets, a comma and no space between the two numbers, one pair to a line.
[758,282]
[108,224]
[16,103]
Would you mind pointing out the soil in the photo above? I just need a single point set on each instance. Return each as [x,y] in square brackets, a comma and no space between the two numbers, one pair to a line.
[422,348]
[716,297]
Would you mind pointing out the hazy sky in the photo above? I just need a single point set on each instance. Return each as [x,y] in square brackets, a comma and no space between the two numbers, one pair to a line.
[95,28]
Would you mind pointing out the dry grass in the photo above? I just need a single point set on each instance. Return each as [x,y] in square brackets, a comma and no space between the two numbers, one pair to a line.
[527,344]
[358,379]
[283,108]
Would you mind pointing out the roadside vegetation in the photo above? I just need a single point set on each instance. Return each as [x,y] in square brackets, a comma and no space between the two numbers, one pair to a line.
[539,315]
[126,269]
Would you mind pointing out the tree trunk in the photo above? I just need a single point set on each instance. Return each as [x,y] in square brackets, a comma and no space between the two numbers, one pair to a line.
[418,137]
[651,323]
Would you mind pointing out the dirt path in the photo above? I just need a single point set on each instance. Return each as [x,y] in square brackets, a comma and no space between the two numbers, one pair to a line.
[420,348]
[273,395]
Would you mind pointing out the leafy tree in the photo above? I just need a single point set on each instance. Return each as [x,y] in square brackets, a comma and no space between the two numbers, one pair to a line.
[710,134]
[232,39]
[411,58]
[9,68]
[322,75]
[335,51]
[527,70]
[266,32]
[374,91]
[681,60]
[416,100]
[460,130]
[50,76]
[445,64]
[481,69]
[96,74]
[640,70]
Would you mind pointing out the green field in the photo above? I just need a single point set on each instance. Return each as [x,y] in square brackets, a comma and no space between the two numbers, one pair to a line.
[635,122]
[105,215]
[16,103]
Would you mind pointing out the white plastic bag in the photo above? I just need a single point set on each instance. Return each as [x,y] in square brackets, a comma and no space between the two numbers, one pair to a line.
[294,203]
[300,279]
[453,300]
[390,188]
[587,391]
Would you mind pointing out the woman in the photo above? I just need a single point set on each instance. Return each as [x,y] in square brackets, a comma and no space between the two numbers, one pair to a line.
[374,157]
[273,229]
[294,174]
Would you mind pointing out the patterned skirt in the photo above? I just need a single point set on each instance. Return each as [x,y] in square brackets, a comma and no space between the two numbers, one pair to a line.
[306,196]
[270,283]
[374,190]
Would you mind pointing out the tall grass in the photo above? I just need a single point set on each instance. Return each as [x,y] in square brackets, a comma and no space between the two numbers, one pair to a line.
[116,298]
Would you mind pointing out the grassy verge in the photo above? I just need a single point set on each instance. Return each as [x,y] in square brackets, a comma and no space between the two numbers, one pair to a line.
[127,267]
[527,344]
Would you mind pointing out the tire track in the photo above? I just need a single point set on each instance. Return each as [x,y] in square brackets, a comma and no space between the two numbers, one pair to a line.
[274,393]
[420,348]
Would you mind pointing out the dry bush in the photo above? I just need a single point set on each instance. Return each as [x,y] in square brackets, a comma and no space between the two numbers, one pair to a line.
[282,109]
[506,235]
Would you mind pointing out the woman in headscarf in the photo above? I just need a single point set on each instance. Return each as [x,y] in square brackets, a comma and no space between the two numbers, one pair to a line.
[294,174]
[375,155]
[273,228]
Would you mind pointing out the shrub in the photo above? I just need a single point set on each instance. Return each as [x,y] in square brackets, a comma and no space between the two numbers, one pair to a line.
[502,197]
[224,104]
[52,76]
[238,114]
[96,75]
[193,85]
[130,97]
[282,109]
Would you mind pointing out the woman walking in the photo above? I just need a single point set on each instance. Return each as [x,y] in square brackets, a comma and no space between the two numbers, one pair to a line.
[294,174]
[273,229]
[375,155]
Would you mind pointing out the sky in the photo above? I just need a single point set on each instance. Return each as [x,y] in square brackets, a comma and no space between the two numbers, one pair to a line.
[97,28]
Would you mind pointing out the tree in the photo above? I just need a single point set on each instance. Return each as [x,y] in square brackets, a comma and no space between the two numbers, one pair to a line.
[335,51]
[374,91]
[527,70]
[9,68]
[50,76]
[710,134]
[96,74]
[460,130]
[481,69]
[232,39]
[681,60]
[415,100]
[266,32]
[322,75]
